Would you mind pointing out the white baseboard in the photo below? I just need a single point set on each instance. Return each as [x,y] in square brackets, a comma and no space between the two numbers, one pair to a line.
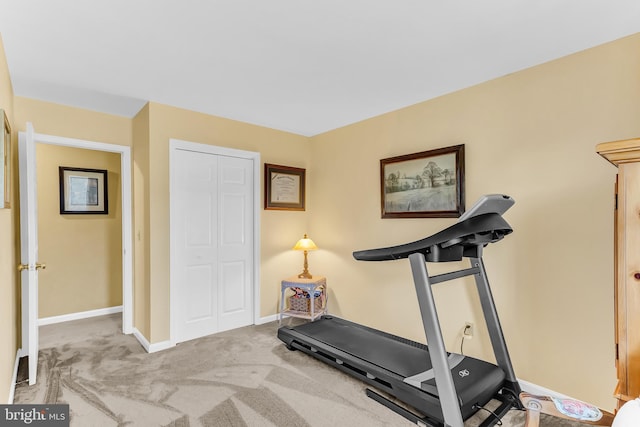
[267,319]
[163,345]
[151,348]
[14,378]
[141,339]
[539,390]
[81,315]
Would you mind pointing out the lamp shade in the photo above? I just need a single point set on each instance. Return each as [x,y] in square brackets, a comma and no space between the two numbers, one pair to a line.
[305,244]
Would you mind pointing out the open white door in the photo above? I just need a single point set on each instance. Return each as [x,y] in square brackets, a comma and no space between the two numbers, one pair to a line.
[29,252]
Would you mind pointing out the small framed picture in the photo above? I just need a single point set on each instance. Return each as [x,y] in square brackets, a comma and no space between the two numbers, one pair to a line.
[83,191]
[429,184]
[5,158]
[284,188]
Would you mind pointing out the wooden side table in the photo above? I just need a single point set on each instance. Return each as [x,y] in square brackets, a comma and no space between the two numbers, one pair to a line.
[310,286]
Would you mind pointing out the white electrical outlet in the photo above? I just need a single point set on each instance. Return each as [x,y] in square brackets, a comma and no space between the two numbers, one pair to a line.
[468,330]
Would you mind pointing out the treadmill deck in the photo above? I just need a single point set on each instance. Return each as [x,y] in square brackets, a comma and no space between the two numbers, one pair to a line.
[385,360]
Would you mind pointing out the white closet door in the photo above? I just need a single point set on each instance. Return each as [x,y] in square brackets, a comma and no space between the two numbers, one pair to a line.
[214,235]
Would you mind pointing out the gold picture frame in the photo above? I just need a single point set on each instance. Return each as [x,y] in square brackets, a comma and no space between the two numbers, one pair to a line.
[5,154]
[284,188]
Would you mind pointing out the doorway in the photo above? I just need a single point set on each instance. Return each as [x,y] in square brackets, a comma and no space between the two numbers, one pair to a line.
[85,279]
[214,199]
[29,243]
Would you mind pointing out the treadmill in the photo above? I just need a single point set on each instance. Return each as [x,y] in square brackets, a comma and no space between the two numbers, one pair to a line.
[440,388]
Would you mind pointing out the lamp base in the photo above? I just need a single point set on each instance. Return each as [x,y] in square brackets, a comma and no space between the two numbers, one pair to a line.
[305,269]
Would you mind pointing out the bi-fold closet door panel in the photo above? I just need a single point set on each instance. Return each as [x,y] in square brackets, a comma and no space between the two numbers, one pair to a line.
[214,233]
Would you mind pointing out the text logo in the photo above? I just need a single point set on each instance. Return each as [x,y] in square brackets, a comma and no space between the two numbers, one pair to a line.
[464,373]
[34,415]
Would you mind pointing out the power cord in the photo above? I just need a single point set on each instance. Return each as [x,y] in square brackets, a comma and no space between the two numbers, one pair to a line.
[467,328]
[478,407]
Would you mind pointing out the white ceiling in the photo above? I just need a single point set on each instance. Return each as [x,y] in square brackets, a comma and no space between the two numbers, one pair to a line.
[303,66]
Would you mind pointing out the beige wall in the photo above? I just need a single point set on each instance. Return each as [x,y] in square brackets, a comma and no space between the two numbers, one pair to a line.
[530,135]
[142,267]
[87,274]
[9,322]
[151,130]
[279,230]
[70,122]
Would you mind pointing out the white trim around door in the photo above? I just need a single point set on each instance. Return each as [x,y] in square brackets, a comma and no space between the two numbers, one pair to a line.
[127,234]
[176,145]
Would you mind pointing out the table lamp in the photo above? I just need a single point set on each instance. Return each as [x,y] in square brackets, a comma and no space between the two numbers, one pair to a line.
[305,244]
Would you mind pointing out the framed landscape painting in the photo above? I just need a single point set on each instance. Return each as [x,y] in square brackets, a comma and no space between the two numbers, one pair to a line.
[429,184]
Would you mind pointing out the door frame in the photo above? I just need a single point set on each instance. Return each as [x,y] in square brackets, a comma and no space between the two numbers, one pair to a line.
[127,234]
[174,146]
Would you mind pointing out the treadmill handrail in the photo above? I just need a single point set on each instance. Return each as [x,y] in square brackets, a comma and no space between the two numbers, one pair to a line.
[472,232]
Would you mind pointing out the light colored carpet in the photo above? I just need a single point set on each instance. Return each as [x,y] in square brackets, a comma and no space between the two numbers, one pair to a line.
[244,377]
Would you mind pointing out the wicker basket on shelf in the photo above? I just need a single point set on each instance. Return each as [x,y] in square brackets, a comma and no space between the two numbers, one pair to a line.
[303,304]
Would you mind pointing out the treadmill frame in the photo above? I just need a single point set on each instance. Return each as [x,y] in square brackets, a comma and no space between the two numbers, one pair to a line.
[446,400]
[466,239]
[439,360]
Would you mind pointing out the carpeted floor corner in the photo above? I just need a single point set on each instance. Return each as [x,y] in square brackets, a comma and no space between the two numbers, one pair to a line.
[244,377]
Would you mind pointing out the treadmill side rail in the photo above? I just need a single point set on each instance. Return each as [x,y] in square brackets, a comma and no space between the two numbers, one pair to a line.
[493,326]
[437,351]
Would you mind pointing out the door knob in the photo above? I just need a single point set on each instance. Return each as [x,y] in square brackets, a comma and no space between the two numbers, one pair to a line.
[23,267]
[41,266]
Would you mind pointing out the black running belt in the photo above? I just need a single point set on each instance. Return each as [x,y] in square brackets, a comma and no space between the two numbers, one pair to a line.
[403,357]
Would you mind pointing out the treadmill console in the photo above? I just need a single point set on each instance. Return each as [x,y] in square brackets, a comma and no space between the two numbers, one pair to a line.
[490,203]
[480,225]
